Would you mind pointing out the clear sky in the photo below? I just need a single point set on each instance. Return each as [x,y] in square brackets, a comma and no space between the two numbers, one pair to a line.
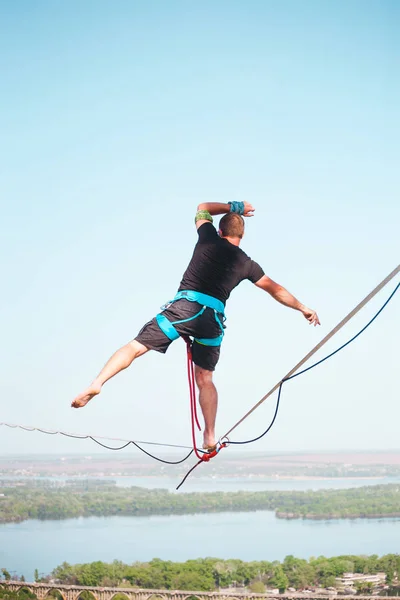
[116,120]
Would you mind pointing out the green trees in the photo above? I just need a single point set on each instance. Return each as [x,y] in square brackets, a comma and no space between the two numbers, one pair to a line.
[23,594]
[66,573]
[279,579]
[34,501]
[326,570]
[257,587]
[363,587]
[390,564]
[56,594]
[208,574]
[300,574]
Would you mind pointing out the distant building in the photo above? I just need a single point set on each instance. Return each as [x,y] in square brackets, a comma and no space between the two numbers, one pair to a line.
[348,580]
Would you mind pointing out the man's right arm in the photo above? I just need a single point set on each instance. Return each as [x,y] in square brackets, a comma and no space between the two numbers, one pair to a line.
[280,294]
[218,208]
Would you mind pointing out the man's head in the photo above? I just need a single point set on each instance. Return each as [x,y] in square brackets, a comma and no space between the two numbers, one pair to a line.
[232,226]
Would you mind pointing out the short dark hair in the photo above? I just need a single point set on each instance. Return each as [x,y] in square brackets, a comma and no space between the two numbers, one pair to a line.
[232,225]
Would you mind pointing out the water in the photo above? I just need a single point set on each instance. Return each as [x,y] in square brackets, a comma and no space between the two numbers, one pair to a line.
[251,484]
[219,484]
[249,536]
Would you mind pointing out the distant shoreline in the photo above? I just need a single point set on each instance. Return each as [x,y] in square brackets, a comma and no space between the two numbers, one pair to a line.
[320,478]
[251,477]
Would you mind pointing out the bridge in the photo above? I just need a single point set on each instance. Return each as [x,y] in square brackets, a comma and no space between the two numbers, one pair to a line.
[47,591]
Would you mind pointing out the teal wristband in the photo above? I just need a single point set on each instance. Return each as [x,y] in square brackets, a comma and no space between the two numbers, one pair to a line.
[237,207]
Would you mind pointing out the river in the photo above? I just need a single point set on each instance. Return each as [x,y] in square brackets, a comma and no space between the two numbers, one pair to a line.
[249,536]
[220,484]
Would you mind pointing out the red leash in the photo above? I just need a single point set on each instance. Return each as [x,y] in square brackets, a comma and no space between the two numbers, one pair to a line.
[204,456]
[192,392]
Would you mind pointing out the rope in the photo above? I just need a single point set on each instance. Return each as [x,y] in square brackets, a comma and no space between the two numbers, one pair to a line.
[188,473]
[192,388]
[311,367]
[315,365]
[320,344]
[96,440]
[84,436]
[206,457]
[192,393]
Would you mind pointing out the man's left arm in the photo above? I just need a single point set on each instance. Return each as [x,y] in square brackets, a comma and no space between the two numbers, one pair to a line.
[280,294]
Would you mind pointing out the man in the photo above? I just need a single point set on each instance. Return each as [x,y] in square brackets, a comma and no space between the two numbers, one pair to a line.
[217,266]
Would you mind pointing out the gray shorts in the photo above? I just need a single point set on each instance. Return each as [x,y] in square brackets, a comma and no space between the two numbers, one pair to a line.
[204,326]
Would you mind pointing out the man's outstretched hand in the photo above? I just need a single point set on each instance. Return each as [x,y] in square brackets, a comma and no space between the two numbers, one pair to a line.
[311,316]
[248,210]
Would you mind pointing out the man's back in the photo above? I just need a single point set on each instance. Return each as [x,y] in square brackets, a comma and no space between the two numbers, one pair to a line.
[217,266]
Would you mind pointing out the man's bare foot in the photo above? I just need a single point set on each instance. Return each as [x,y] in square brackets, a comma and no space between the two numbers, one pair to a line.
[209,442]
[83,398]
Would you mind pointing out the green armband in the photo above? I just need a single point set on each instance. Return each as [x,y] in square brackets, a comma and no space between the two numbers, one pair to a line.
[203,215]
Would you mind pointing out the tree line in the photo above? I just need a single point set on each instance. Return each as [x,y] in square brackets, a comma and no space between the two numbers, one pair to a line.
[211,574]
[61,502]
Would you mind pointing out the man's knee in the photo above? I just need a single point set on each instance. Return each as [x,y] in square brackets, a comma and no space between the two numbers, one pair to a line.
[136,348]
[203,377]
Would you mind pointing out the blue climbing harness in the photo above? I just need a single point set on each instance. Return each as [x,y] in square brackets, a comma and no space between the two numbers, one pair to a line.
[216,305]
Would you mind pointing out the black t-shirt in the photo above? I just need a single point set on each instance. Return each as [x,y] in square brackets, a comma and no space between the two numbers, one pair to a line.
[217,266]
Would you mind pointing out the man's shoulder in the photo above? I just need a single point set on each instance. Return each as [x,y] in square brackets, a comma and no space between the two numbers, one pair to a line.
[242,254]
[251,268]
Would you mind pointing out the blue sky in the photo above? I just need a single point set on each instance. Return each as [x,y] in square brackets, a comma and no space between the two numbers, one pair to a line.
[117,119]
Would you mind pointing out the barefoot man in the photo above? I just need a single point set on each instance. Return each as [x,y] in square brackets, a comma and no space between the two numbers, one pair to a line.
[217,266]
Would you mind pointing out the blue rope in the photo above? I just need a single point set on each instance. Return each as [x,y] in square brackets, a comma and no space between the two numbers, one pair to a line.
[315,365]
